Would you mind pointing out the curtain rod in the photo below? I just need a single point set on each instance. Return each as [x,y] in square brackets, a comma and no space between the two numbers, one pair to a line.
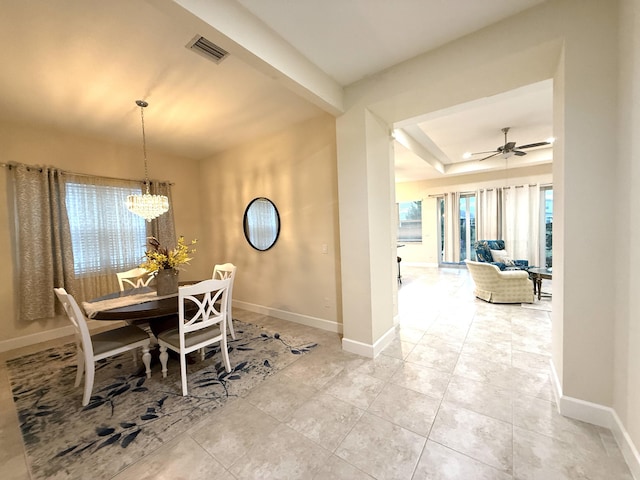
[518,186]
[65,172]
[436,195]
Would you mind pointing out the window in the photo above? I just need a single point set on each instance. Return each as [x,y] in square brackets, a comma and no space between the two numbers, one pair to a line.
[105,236]
[410,221]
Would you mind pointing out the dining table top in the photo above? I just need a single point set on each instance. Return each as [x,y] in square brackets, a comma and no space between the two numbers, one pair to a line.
[148,310]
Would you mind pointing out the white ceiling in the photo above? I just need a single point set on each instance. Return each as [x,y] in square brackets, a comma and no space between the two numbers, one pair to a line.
[81,64]
[477,127]
[352,39]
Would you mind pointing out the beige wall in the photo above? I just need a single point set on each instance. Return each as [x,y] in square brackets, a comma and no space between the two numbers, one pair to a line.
[627,234]
[296,169]
[45,146]
[590,114]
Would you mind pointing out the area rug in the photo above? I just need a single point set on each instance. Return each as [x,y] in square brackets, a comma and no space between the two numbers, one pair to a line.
[129,415]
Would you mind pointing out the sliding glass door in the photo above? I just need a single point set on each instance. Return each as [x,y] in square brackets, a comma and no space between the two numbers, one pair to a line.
[546,227]
[467,226]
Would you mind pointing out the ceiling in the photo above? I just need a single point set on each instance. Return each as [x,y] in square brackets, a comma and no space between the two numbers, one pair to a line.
[81,64]
[477,127]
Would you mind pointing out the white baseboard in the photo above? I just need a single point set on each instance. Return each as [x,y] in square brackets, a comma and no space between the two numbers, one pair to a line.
[33,338]
[367,350]
[307,320]
[40,337]
[597,415]
[626,445]
[353,346]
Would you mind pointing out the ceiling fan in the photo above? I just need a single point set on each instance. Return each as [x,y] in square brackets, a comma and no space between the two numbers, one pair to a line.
[509,148]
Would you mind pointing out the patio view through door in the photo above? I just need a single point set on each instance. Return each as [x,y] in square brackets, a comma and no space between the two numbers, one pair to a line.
[467,226]
[546,230]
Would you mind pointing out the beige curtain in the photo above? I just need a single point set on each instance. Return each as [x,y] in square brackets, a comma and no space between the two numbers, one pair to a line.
[521,222]
[511,214]
[489,214]
[163,227]
[45,255]
[452,227]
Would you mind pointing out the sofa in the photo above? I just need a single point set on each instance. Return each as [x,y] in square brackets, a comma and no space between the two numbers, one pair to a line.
[496,286]
[486,250]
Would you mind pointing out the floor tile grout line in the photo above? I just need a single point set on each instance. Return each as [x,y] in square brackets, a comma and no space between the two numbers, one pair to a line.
[387,381]
[451,374]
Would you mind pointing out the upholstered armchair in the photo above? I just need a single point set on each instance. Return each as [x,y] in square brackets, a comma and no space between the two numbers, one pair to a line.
[493,251]
[495,286]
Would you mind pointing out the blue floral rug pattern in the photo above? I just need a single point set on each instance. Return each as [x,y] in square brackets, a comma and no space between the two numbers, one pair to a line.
[129,415]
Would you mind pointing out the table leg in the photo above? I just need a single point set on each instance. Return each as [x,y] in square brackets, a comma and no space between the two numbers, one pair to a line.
[539,281]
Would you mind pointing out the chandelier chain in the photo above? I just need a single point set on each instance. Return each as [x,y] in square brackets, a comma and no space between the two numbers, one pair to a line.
[144,149]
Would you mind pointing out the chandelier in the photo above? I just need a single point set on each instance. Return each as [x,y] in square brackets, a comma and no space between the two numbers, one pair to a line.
[147,206]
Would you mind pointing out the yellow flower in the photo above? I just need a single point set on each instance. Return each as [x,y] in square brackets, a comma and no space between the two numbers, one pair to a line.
[161,258]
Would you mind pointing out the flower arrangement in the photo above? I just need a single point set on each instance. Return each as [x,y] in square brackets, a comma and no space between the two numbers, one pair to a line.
[161,258]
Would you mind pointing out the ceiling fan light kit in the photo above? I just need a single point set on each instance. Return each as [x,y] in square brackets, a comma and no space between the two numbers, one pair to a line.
[508,149]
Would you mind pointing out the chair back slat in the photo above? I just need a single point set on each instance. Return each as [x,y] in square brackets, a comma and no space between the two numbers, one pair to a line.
[135,278]
[206,296]
[77,318]
[222,272]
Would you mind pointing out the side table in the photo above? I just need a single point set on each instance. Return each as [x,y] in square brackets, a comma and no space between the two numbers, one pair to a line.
[537,274]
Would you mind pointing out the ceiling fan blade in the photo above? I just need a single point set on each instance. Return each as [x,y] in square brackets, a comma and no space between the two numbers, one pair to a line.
[483,153]
[494,154]
[519,153]
[532,145]
[509,146]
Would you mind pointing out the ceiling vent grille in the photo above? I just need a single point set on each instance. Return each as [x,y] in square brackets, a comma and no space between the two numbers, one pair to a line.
[207,49]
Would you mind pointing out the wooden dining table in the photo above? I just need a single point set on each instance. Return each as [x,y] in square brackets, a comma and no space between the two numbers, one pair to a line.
[145,313]
[139,312]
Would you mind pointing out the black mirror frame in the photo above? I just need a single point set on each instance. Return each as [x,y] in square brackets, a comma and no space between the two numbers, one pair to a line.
[245,225]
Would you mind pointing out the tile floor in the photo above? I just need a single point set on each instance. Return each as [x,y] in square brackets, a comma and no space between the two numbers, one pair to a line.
[462,393]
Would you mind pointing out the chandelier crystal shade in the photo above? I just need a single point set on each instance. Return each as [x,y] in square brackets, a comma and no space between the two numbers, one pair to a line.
[147,206]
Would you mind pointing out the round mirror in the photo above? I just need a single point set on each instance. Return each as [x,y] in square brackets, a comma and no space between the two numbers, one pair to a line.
[261,223]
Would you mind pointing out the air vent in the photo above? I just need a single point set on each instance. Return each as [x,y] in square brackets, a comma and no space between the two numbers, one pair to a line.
[207,49]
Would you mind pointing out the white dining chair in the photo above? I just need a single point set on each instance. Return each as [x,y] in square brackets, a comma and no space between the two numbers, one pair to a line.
[91,348]
[208,325]
[136,278]
[221,272]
